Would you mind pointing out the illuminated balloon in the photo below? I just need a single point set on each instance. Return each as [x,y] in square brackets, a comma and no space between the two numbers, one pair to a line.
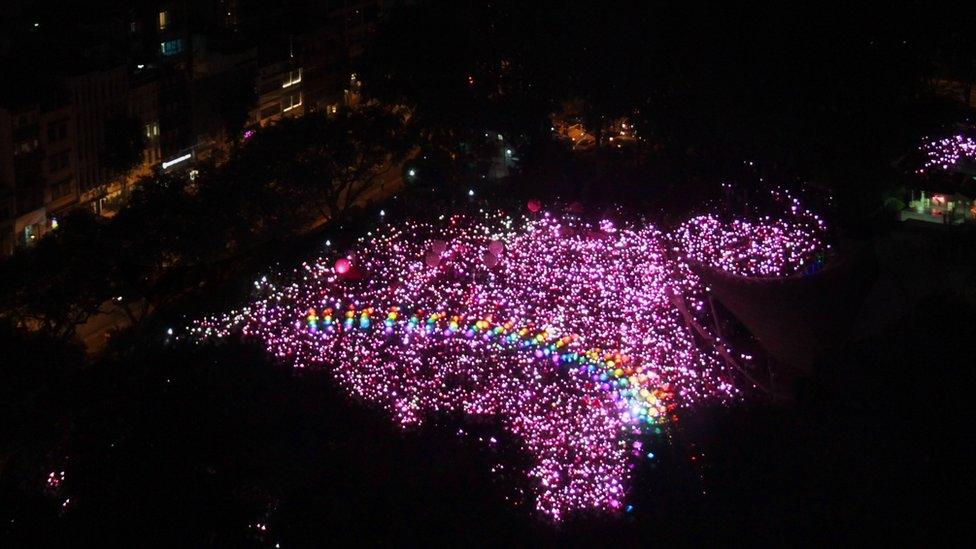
[534,205]
[439,246]
[342,265]
[490,259]
[433,259]
[496,247]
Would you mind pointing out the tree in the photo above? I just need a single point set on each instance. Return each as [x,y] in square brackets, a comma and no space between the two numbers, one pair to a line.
[321,166]
[124,144]
[159,233]
[236,96]
[134,263]
[61,281]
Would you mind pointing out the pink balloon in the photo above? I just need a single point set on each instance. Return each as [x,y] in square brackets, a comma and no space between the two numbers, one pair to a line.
[439,246]
[342,265]
[496,247]
[534,206]
[433,259]
[490,259]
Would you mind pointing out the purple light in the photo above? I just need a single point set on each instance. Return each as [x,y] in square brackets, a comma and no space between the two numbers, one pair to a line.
[944,154]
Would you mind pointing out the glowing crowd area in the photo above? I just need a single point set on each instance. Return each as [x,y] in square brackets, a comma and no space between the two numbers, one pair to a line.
[946,153]
[570,333]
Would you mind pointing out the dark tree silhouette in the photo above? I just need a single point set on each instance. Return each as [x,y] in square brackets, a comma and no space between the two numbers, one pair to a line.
[322,165]
[124,144]
[236,96]
[61,281]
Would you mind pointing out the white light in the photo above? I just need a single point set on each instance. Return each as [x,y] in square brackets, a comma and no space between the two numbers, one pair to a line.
[294,77]
[140,66]
[412,172]
[382,213]
[508,152]
[177,160]
[470,192]
[169,331]
[500,137]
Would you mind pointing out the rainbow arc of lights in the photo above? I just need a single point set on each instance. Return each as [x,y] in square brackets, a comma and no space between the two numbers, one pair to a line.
[611,369]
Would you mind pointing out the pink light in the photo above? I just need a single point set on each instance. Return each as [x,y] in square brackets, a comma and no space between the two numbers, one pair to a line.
[944,154]
[342,265]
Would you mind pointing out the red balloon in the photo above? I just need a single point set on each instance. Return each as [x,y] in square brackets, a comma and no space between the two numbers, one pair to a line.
[534,205]
[342,265]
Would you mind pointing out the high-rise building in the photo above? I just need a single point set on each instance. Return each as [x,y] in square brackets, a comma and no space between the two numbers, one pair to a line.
[98,96]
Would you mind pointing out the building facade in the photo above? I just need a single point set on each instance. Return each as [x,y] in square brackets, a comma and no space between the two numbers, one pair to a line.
[38,168]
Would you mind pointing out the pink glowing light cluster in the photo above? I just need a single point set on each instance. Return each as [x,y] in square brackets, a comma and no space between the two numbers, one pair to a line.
[764,248]
[946,153]
[570,333]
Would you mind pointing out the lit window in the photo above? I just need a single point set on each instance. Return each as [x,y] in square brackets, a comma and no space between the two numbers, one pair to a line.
[171,47]
[30,233]
[294,77]
[292,101]
[163,20]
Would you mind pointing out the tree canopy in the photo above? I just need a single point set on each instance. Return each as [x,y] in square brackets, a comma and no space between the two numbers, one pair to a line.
[320,165]
[124,144]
